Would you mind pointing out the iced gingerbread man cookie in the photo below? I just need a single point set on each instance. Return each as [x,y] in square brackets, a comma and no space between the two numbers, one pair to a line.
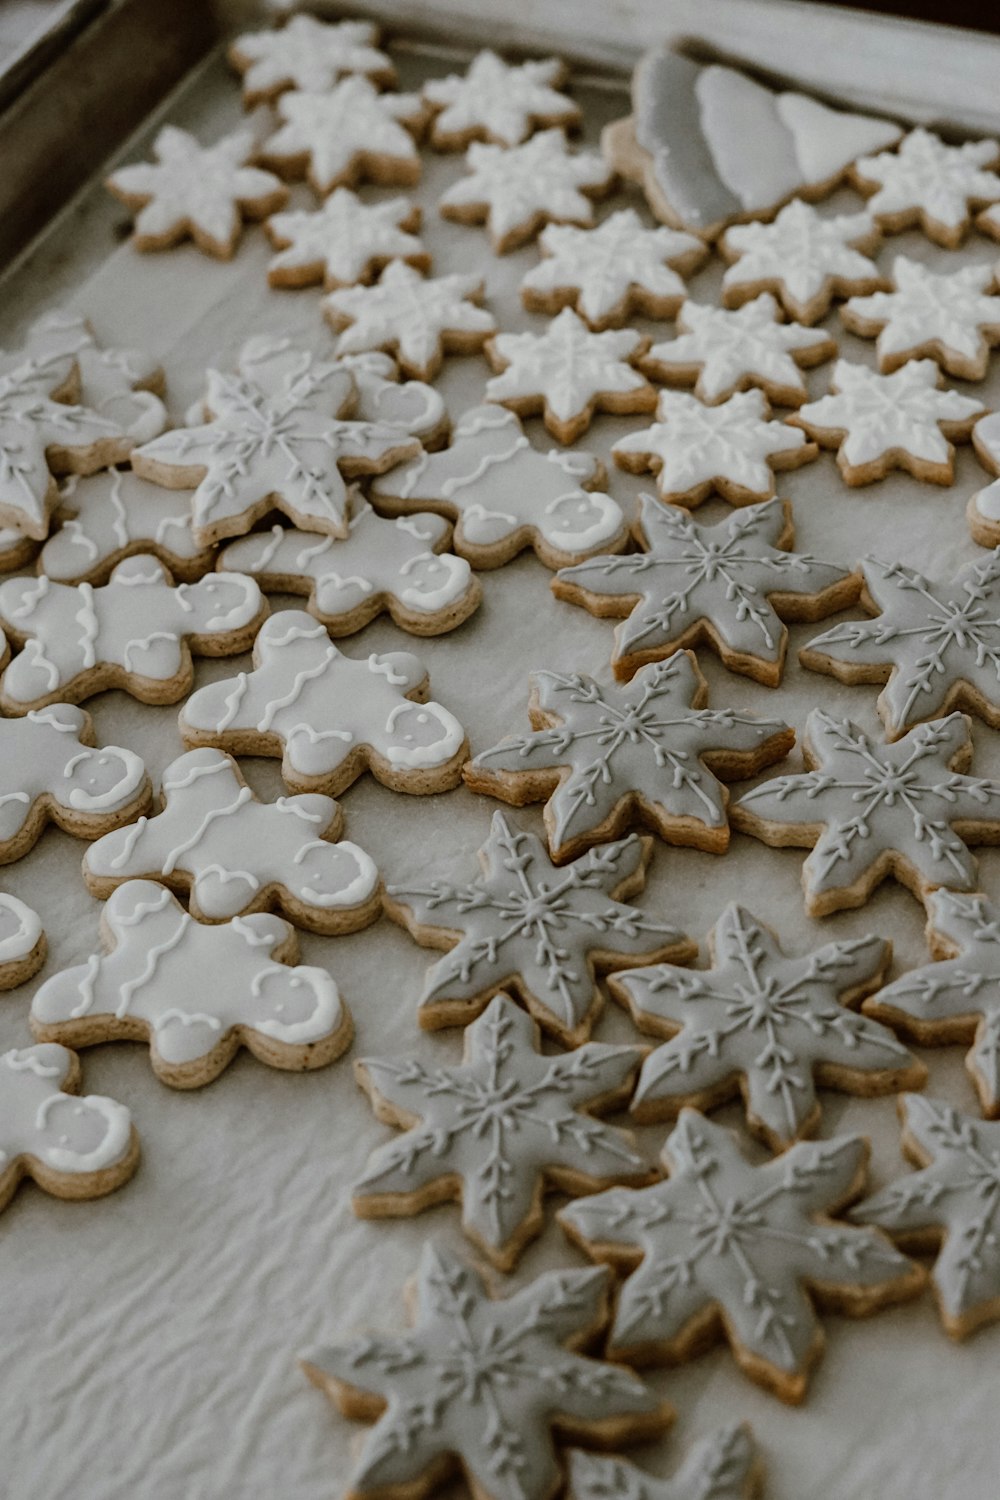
[233,854]
[722,1466]
[22,942]
[386,401]
[109,516]
[328,716]
[308,55]
[498,101]
[344,242]
[983,509]
[124,385]
[196,993]
[947,317]
[929,184]
[349,135]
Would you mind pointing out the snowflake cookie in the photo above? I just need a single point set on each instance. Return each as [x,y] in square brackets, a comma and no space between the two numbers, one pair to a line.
[485,1386]
[935,645]
[330,717]
[351,134]
[722,1466]
[731,449]
[417,320]
[766,1026]
[504,495]
[237,979]
[72,1145]
[109,516]
[726,1249]
[883,422]
[309,55]
[651,753]
[498,101]
[22,942]
[498,1130]
[949,318]
[869,810]
[805,258]
[344,241]
[720,352]
[929,184]
[540,932]
[607,273]
[201,192]
[567,373]
[137,632]
[213,838]
[514,191]
[952,1202]
[730,586]
[401,566]
[123,385]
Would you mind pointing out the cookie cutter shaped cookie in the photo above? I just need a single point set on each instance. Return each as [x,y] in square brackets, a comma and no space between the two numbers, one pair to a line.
[949,317]
[722,1466]
[498,101]
[344,241]
[929,184]
[983,509]
[345,136]
[109,516]
[124,385]
[23,947]
[308,55]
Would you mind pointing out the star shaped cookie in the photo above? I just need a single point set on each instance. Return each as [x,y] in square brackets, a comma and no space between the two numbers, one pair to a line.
[929,184]
[417,320]
[344,241]
[947,317]
[348,135]
[805,258]
[307,55]
[498,101]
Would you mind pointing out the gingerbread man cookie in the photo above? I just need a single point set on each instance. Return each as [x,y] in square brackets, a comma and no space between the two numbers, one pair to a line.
[123,385]
[417,320]
[947,317]
[344,242]
[929,184]
[109,516]
[983,509]
[22,942]
[308,55]
[349,135]
[498,101]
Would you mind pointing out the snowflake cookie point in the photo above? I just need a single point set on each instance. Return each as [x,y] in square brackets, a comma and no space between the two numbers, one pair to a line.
[498,101]
[308,55]
[722,1466]
[949,318]
[347,135]
[929,184]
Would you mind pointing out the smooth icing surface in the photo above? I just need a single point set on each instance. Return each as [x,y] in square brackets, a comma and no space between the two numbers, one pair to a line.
[309,55]
[569,367]
[499,100]
[804,253]
[115,512]
[952,308]
[482,1380]
[718,1467]
[70,1134]
[927,178]
[215,835]
[409,314]
[110,379]
[532,183]
[828,140]
[336,130]
[20,929]
[754,156]
[343,237]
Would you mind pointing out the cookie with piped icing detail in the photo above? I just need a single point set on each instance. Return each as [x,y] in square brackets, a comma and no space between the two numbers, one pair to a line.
[415,319]
[308,55]
[345,136]
[983,509]
[948,317]
[722,1466]
[344,242]
[23,947]
[105,517]
[498,101]
[929,184]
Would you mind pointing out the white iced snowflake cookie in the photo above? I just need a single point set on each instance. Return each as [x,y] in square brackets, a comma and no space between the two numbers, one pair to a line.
[137,632]
[929,184]
[983,509]
[330,717]
[114,514]
[516,190]
[196,993]
[498,101]
[498,1130]
[485,1385]
[949,318]
[233,854]
[568,373]
[22,942]
[504,495]
[344,241]
[804,258]
[72,1145]
[417,320]
[201,192]
[727,1249]
[881,422]
[720,352]
[722,1466]
[868,811]
[539,932]
[732,449]
[609,272]
[308,55]
[349,135]
[401,566]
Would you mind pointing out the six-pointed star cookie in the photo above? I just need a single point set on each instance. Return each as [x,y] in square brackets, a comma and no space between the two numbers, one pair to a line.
[650,753]
[720,352]
[344,242]
[804,258]
[868,811]
[930,184]
[309,55]
[729,586]
[609,272]
[111,515]
[516,190]
[898,421]
[935,645]
[731,449]
[727,1249]
[204,192]
[351,134]
[540,932]
[954,1203]
[498,1130]
[945,317]
[722,1466]
[764,1025]
[504,495]
[498,101]
[417,320]
[484,1386]
[568,373]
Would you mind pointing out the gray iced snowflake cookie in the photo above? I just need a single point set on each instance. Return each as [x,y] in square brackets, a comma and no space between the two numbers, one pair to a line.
[730,586]
[198,192]
[308,55]
[484,1386]
[953,1203]
[344,241]
[123,385]
[869,810]
[498,101]
[898,421]
[605,757]
[722,1466]
[731,449]
[947,317]
[764,1025]
[720,352]
[936,646]
[114,514]
[929,184]
[540,932]
[518,189]
[725,1249]
[348,135]
[498,1130]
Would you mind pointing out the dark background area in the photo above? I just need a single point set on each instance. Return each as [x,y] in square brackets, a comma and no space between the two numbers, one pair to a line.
[983,14]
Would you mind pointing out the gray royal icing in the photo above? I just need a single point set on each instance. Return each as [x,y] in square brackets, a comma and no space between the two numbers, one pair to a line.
[111,380]
[498,100]
[341,241]
[410,314]
[20,929]
[528,185]
[309,55]
[108,515]
[568,367]
[930,180]
[337,131]
[68,1134]
[718,1467]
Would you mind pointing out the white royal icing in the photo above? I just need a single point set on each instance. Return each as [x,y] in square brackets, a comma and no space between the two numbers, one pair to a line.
[803,256]
[343,240]
[413,316]
[929,182]
[68,1134]
[568,368]
[309,55]
[499,101]
[951,310]
[340,131]
[20,929]
[722,1466]
[519,188]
